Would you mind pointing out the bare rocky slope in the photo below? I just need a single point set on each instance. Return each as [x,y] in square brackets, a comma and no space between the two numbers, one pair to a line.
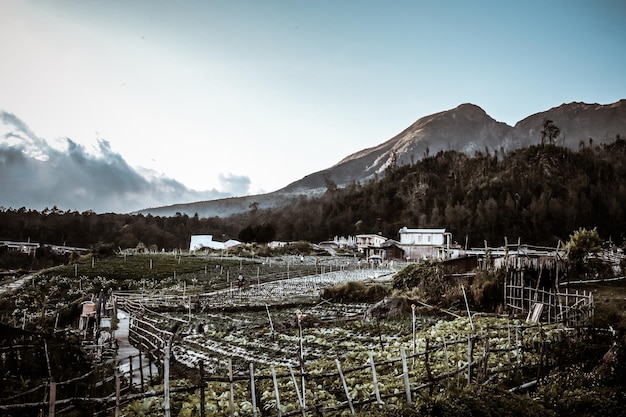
[466,128]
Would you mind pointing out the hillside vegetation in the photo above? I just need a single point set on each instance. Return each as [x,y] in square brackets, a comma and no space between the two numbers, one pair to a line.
[540,194]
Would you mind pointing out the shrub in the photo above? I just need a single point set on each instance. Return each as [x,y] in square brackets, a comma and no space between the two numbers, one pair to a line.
[356,292]
[485,291]
[427,282]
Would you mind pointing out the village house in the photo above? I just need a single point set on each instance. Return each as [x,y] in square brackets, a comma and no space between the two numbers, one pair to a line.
[392,250]
[28,248]
[421,244]
[378,247]
[369,244]
[339,243]
[202,242]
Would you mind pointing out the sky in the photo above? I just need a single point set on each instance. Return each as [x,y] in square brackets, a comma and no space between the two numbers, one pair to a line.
[122,105]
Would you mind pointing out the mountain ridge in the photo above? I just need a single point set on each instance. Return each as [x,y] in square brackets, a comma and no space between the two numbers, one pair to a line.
[466,128]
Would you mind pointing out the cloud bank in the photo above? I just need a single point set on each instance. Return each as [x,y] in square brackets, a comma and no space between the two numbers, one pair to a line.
[35,174]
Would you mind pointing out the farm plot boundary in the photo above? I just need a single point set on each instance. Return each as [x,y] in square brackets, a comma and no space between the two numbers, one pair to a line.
[515,352]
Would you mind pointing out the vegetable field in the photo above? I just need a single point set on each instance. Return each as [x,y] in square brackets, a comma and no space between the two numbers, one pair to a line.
[277,348]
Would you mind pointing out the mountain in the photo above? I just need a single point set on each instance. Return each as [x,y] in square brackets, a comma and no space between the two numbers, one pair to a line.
[466,128]
[578,122]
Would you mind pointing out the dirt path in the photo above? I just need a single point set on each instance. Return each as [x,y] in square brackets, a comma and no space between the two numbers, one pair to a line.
[127,352]
[17,283]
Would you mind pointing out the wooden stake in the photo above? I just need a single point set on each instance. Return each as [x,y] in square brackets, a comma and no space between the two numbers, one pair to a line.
[413,306]
[270,318]
[130,377]
[252,390]
[53,397]
[276,391]
[232,389]
[375,380]
[405,372]
[166,380]
[345,386]
[486,359]
[468,310]
[117,394]
[429,373]
[295,384]
[141,370]
[470,350]
[202,393]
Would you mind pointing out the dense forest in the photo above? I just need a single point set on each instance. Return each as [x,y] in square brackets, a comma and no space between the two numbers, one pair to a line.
[539,194]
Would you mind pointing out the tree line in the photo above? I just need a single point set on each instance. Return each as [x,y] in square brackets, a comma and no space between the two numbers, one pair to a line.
[539,194]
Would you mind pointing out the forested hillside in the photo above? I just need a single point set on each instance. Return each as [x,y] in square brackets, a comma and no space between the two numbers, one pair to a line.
[540,194]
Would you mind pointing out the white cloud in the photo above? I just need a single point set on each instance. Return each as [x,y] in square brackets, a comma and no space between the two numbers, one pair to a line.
[237,185]
[36,175]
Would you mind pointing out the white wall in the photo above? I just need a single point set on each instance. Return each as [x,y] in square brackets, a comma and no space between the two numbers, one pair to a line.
[199,241]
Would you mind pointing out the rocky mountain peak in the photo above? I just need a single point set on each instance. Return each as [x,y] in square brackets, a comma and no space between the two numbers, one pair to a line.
[466,128]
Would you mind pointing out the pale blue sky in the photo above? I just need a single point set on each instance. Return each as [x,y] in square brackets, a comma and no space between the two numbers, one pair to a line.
[248,96]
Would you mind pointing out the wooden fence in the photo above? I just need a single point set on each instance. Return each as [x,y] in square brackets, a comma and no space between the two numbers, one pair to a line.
[60,396]
[571,308]
[514,352]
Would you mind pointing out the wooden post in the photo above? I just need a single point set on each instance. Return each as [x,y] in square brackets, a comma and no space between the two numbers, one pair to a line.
[53,397]
[469,315]
[509,348]
[232,389]
[117,393]
[166,380]
[486,359]
[413,306]
[270,319]
[141,370]
[276,393]
[429,373]
[252,390]
[345,386]
[520,352]
[447,356]
[301,354]
[295,384]
[130,367]
[470,353]
[202,393]
[505,297]
[405,372]
[150,367]
[375,379]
